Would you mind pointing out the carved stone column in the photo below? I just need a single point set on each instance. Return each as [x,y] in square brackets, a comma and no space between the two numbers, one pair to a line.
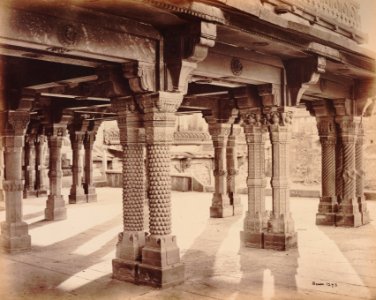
[29,166]
[2,196]
[221,204]
[232,170]
[348,210]
[281,234]
[255,222]
[161,264]
[55,209]
[40,180]
[91,194]
[77,193]
[14,232]
[359,151]
[328,201]
[132,238]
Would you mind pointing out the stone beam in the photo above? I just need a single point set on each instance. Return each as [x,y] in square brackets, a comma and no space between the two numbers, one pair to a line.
[69,30]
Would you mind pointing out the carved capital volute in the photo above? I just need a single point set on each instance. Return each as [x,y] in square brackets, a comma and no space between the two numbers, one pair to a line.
[77,139]
[161,102]
[348,127]
[326,127]
[278,119]
[184,49]
[300,74]
[17,122]
[141,76]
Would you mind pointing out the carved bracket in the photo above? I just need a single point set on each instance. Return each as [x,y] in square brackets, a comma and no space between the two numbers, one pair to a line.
[300,74]
[184,50]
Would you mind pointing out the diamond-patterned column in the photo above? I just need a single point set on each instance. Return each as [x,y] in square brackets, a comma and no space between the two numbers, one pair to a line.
[55,205]
[359,152]
[161,264]
[14,231]
[40,176]
[348,210]
[29,166]
[280,234]
[77,193]
[132,239]
[255,222]
[328,201]
[232,170]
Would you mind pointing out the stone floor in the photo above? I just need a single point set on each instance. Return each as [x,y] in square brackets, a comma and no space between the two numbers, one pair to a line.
[71,259]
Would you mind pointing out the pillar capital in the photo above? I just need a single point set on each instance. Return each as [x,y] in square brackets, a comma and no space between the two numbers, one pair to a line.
[16,122]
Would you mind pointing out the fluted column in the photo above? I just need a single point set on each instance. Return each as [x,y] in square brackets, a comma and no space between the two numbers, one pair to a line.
[328,201]
[91,194]
[40,176]
[132,238]
[77,193]
[14,231]
[359,151]
[161,264]
[55,205]
[281,234]
[256,217]
[232,170]
[29,166]
[221,204]
[348,210]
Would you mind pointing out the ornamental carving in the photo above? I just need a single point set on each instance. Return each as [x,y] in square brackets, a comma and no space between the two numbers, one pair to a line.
[69,34]
[236,66]
[18,121]
[13,185]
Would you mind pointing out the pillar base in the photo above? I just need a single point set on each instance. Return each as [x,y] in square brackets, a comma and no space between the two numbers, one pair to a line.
[161,266]
[363,210]
[125,270]
[349,220]
[73,199]
[91,198]
[253,239]
[55,209]
[280,241]
[328,219]
[238,207]
[221,211]
[15,237]
[130,244]
[161,277]
[41,193]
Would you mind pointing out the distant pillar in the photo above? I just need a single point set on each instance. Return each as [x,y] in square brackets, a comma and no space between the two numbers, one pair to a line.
[2,196]
[232,170]
[348,210]
[77,193]
[55,205]
[14,231]
[328,201]
[255,222]
[280,234]
[91,194]
[359,152]
[221,205]
[40,180]
[29,166]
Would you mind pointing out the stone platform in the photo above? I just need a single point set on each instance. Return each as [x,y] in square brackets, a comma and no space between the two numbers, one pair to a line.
[72,259]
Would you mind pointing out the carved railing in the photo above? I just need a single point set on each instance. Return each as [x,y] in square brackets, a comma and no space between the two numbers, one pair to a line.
[341,16]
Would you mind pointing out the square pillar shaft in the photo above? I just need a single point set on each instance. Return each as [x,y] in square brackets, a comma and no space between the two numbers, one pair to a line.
[91,195]
[29,166]
[77,193]
[40,176]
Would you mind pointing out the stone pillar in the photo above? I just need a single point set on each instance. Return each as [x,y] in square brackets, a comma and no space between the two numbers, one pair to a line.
[255,222]
[29,166]
[348,210]
[40,180]
[77,193]
[161,264]
[328,201]
[359,151]
[91,194]
[232,170]
[132,238]
[280,234]
[55,205]
[221,204]
[14,231]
